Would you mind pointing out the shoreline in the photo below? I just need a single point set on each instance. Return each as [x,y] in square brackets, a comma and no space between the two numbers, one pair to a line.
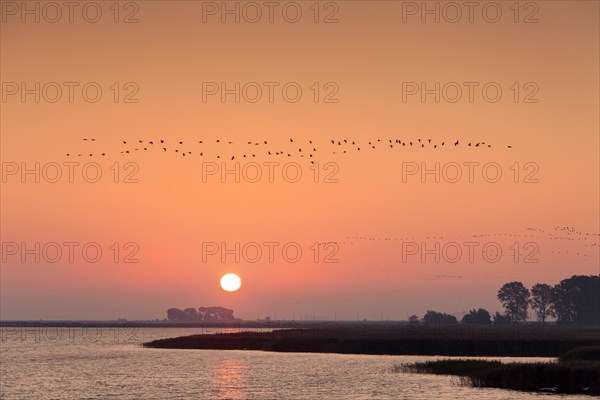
[478,343]
[565,376]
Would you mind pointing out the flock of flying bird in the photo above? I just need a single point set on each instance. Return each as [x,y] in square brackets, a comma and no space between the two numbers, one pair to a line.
[333,146]
[585,244]
[293,149]
[590,242]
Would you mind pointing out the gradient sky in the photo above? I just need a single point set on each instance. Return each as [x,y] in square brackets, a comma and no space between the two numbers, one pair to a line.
[368,54]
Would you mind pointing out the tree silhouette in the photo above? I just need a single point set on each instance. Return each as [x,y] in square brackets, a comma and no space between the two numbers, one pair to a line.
[480,316]
[577,300]
[438,318]
[542,300]
[175,314]
[500,319]
[514,297]
[202,314]
[190,314]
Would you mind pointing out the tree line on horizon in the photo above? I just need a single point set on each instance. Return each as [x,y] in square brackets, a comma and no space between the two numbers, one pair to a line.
[575,300]
[201,314]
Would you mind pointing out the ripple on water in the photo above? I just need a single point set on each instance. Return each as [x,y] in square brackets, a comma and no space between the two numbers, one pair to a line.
[108,368]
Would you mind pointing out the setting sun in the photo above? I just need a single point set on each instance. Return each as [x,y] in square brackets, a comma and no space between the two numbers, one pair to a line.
[231,282]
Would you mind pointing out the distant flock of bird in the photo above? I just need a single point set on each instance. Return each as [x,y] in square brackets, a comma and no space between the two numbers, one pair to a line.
[295,148]
[589,241]
[309,149]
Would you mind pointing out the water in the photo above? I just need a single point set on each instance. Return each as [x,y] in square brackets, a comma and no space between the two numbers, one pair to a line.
[62,363]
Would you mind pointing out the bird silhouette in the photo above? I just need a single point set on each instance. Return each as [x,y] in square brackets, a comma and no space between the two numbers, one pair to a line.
[291,152]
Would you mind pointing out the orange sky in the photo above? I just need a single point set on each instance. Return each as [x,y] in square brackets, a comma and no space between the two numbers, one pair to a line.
[368,54]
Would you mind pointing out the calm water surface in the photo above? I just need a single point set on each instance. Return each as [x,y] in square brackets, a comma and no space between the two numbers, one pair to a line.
[110,364]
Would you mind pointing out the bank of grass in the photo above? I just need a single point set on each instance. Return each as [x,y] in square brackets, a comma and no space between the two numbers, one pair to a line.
[577,371]
[451,340]
[590,353]
[449,367]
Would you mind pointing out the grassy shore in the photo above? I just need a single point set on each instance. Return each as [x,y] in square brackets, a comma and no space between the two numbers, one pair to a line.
[457,340]
[576,376]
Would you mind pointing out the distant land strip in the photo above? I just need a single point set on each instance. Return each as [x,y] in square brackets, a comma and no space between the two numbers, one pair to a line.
[521,341]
